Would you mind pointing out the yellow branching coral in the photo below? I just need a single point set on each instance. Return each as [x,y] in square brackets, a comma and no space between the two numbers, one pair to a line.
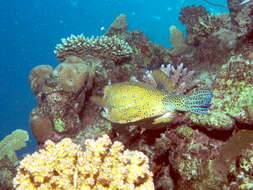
[103,166]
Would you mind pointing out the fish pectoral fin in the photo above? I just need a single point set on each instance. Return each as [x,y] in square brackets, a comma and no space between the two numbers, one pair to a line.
[165,118]
[162,80]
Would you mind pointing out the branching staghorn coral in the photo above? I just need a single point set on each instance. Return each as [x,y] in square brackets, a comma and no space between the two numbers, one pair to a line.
[180,79]
[102,47]
[104,165]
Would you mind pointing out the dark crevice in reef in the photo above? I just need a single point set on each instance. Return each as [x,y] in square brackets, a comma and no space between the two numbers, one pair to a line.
[215,134]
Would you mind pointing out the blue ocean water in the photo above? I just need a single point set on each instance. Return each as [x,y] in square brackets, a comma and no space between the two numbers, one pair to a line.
[29,31]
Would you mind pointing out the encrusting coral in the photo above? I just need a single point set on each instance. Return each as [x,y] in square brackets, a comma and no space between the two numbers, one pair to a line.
[102,47]
[242,172]
[233,94]
[104,165]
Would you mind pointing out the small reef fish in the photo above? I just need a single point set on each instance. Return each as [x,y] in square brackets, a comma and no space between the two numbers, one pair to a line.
[133,101]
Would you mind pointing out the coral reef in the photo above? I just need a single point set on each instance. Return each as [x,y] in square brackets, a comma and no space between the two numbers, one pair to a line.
[61,93]
[188,152]
[211,151]
[199,162]
[104,47]
[241,17]
[104,165]
[233,94]
[209,37]
[8,159]
[7,173]
[234,164]
[242,171]
[198,21]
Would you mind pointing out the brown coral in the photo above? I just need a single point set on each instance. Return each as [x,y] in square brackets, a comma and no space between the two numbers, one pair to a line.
[61,96]
[71,74]
[118,26]
[177,40]
[198,20]
[38,77]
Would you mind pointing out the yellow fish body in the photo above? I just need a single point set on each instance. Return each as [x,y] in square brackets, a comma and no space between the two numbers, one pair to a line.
[133,101]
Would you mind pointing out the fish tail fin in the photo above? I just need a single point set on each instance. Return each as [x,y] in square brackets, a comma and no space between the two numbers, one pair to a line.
[198,102]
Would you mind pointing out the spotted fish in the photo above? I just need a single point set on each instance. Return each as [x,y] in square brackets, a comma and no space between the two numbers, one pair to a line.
[133,101]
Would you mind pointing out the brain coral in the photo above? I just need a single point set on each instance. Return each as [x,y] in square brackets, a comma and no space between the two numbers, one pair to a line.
[102,47]
[104,165]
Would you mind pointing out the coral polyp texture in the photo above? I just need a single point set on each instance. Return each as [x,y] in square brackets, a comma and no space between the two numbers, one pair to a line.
[102,166]
[102,47]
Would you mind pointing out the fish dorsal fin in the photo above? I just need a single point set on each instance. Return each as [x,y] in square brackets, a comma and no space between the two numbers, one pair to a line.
[162,80]
[98,100]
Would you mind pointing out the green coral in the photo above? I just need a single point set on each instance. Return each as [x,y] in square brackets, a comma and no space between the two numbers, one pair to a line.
[246,186]
[214,120]
[13,142]
[188,167]
[184,132]
[59,125]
